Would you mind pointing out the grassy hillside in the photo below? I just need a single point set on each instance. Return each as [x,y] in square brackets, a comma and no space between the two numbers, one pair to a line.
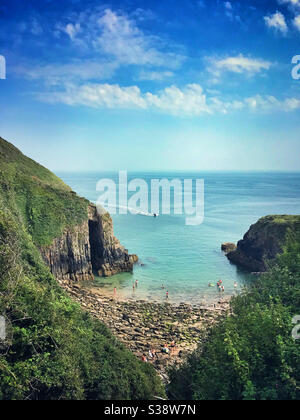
[39,199]
[53,349]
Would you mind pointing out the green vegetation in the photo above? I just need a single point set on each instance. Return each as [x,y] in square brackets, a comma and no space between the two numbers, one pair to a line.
[292,220]
[53,349]
[40,200]
[251,355]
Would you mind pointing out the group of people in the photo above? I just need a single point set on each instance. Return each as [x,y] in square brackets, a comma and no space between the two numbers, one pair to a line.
[151,356]
[166,349]
[135,285]
[220,286]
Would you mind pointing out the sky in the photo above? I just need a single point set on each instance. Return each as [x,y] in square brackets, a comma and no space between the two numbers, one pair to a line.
[152,85]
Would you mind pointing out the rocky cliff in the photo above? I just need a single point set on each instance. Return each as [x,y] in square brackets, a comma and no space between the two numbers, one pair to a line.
[87,249]
[264,241]
[75,239]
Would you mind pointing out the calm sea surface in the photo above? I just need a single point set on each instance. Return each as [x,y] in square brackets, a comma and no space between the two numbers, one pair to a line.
[186,259]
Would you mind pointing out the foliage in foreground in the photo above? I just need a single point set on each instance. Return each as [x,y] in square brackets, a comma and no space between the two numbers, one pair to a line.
[54,350]
[252,354]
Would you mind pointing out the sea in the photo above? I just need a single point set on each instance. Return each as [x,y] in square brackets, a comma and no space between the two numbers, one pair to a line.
[186,260]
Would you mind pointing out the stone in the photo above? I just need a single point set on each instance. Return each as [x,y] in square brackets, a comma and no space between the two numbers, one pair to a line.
[228,247]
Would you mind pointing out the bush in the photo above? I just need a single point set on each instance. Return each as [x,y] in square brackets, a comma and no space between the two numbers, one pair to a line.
[251,355]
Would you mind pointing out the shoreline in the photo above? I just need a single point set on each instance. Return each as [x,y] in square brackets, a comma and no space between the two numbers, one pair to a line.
[143,325]
[204,298]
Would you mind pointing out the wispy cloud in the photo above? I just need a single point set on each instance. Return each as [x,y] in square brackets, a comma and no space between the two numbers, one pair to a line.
[236,64]
[297,22]
[75,71]
[117,36]
[155,75]
[189,101]
[277,22]
[294,4]
[104,42]
[272,104]
[121,38]
[71,29]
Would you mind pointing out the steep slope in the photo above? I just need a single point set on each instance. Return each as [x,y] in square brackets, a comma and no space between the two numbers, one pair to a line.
[73,238]
[53,350]
[264,241]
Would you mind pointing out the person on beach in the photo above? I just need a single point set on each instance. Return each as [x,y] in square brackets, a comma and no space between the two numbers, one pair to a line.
[133,287]
[235,285]
[144,359]
[167,295]
[166,349]
[153,353]
[115,291]
[150,354]
[136,283]
[172,346]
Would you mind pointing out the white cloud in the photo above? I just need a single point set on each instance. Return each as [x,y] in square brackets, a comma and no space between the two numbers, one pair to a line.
[98,96]
[121,38]
[236,64]
[115,40]
[297,22]
[116,36]
[294,4]
[71,30]
[277,22]
[271,104]
[190,101]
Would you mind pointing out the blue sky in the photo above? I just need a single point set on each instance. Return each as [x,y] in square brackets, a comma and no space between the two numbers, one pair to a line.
[152,85]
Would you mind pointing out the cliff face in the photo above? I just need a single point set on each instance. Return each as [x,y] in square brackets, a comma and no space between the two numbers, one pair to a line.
[264,241]
[74,239]
[86,249]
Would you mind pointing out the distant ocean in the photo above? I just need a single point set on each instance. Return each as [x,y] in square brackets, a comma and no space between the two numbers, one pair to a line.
[185,259]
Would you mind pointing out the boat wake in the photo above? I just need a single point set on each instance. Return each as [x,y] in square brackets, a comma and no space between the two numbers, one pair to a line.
[131,211]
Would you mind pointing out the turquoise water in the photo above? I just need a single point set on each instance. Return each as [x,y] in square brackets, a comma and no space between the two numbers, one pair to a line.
[185,259]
